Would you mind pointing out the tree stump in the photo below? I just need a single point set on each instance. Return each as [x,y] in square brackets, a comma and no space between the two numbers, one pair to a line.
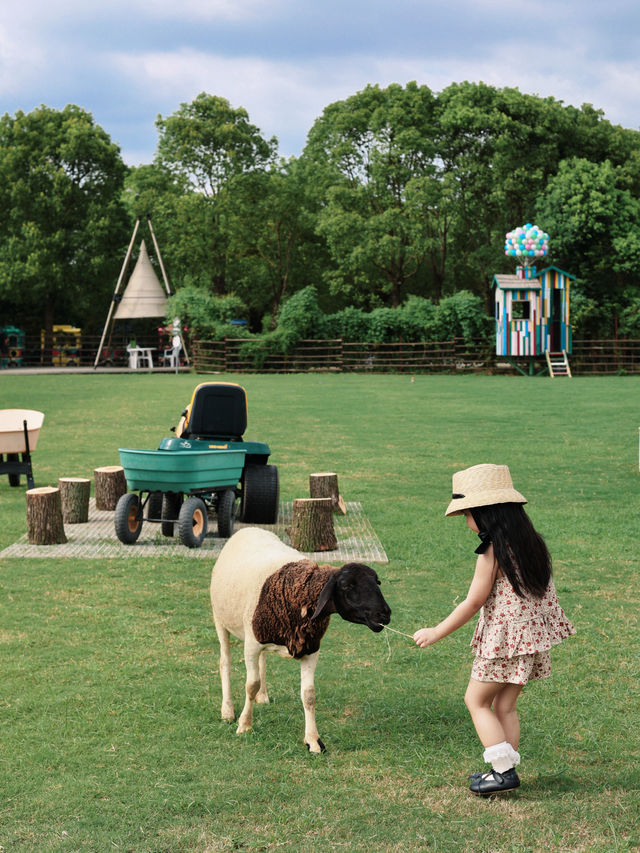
[74,493]
[109,485]
[44,516]
[326,486]
[312,525]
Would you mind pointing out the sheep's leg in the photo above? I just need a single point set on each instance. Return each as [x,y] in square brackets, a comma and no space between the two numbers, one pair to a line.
[226,709]
[262,697]
[252,651]
[308,695]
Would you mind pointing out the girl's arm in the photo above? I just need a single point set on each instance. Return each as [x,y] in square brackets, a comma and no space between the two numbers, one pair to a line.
[483,578]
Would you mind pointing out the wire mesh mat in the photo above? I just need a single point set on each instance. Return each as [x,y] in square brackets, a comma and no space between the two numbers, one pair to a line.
[356,537]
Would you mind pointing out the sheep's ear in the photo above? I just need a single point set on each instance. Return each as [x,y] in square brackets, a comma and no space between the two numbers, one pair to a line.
[325,596]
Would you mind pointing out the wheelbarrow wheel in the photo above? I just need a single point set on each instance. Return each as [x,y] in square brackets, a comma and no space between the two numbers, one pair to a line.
[171,503]
[226,513]
[192,522]
[260,494]
[128,518]
[14,479]
[154,506]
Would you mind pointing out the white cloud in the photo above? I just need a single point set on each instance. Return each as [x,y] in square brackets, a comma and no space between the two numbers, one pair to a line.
[286,60]
[284,98]
[230,10]
[21,59]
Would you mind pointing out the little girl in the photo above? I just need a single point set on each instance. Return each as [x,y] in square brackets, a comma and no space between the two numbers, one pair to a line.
[520,617]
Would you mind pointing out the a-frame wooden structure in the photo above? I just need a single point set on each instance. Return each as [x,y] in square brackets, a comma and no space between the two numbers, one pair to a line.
[143,296]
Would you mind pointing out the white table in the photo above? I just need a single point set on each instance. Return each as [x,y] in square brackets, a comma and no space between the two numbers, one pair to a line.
[138,355]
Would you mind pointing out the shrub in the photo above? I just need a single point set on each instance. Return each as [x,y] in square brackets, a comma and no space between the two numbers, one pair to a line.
[630,317]
[588,318]
[207,315]
[351,324]
[462,315]
[299,318]
[420,319]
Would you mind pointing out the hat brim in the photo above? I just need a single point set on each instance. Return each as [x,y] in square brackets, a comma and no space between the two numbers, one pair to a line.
[488,498]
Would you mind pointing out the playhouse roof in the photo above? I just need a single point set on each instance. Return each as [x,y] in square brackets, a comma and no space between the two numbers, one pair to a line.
[557,269]
[144,296]
[514,282]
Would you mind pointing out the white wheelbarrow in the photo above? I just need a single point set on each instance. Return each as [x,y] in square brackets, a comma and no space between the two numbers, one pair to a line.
[19,431]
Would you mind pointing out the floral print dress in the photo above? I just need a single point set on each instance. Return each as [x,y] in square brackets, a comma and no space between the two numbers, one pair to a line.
[514,634]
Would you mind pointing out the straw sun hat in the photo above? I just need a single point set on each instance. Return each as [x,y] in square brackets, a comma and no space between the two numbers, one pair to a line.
[482,485]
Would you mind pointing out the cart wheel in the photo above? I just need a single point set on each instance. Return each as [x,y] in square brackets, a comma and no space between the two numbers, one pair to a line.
[260,494]
[192,522]
[171,503]
[14,479]
[154,505]
[128,518]
[226,513]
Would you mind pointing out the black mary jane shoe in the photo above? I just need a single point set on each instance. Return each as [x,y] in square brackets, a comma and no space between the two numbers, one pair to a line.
[495,783]
[473,776]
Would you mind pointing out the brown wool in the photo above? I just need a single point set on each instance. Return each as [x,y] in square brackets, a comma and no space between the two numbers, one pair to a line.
[287,602]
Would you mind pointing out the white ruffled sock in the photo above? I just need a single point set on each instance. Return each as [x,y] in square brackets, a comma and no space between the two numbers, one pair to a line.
[501,756]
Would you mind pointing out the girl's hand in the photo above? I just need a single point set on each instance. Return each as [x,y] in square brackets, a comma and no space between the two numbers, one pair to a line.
[425,637]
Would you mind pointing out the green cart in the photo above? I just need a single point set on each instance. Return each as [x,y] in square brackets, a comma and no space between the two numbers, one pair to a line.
[207,469]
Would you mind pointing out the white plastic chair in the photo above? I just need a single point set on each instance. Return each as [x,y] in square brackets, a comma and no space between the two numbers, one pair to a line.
[171,356]
[133,357]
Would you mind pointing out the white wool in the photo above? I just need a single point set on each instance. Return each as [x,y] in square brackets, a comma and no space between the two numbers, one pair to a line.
[245,562]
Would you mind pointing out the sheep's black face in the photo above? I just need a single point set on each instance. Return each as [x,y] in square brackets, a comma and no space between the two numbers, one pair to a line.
[357,597]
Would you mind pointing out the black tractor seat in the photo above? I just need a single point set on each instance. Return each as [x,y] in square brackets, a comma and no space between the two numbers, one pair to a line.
[218,410]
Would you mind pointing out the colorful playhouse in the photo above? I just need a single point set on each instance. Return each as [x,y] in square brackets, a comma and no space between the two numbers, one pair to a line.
[532,311]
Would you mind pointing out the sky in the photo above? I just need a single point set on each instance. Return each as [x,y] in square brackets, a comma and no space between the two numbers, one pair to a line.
[284,61]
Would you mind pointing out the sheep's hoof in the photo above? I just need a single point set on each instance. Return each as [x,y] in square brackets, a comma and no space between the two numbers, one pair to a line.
[262,699]
[317,748]
[227,713]
[243,729]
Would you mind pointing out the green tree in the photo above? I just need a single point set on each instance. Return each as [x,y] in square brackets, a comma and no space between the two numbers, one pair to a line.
[594,224]
[205,145]
[62,222]
[273,251]
[498,148]
[184,221]
[208,142]
[375,156]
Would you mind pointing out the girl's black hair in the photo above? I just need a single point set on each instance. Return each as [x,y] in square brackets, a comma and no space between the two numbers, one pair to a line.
[519,549]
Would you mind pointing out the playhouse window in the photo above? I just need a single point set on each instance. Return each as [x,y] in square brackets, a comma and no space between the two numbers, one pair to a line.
[520,310]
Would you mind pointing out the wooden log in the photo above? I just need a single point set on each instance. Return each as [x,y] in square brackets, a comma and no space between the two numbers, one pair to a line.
[44,516]
[325,485]
[109,486]
[74,494]
[312,525]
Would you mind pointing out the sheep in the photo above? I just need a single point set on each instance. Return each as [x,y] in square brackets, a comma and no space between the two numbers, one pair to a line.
[274,599]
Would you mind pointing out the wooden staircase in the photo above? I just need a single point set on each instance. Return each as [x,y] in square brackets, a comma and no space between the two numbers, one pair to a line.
[558,364]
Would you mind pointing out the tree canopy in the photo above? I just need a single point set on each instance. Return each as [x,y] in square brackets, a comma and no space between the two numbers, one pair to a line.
[400,194]
[62,220]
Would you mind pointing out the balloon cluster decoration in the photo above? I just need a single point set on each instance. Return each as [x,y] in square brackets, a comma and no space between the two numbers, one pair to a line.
[527,241]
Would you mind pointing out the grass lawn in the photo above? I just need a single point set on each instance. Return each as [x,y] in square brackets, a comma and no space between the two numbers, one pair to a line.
[110,734]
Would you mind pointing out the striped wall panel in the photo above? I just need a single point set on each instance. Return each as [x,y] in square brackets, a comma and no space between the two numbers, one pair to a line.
[532,336]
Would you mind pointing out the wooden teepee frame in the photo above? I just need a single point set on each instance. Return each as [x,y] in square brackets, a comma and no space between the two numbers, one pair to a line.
[115,300]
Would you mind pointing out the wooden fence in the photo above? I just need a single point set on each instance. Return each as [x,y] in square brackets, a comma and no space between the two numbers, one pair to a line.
[237,355]
[605,357]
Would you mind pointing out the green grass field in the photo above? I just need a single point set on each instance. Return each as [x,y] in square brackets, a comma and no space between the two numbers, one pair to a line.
[109,710]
